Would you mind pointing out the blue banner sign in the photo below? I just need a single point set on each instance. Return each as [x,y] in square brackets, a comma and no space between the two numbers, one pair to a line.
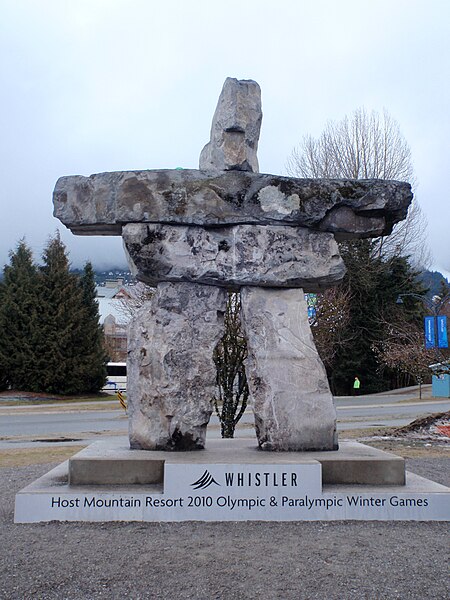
[311,312]
[430,332]
[442,331]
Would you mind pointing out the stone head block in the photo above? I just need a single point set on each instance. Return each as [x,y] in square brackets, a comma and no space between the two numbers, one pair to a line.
[235,128]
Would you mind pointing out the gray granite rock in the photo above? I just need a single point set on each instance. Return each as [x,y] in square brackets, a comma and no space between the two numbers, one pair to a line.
[273,256]
[102,203]
[171,374]
[291,398]
[235,128]
[227,225]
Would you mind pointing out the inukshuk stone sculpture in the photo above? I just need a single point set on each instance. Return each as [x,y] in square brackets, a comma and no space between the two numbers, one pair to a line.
[194,234]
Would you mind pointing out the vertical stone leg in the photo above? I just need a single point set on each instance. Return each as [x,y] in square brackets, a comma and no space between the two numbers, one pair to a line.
[293,405]
[171,373]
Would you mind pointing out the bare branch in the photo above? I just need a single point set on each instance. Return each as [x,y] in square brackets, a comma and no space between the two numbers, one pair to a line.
[136,296]
[329,325]
[367,145]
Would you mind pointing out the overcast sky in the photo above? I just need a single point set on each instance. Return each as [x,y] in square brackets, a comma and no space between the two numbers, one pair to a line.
[109,85]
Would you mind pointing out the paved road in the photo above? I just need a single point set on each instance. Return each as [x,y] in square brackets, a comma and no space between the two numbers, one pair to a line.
[31,425]
[72,423]
[65,423]
[388,412]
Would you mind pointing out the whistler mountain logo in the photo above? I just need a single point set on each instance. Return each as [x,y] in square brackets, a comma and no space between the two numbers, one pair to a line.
[205,481]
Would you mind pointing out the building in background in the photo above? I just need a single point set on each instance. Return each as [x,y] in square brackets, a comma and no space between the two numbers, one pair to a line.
[114,318]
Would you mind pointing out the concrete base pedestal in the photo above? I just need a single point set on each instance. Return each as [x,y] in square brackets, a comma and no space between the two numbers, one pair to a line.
[231,481]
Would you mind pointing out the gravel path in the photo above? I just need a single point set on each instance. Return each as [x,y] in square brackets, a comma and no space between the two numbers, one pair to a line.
[337,560]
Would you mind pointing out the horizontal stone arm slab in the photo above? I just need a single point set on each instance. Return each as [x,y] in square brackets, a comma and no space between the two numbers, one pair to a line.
[102,203]
[240,255]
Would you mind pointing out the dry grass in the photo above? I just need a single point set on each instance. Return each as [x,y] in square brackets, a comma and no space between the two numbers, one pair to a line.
[411,448]
[21,457]
[355,434]
[405,447]
[19,398]
[47,408]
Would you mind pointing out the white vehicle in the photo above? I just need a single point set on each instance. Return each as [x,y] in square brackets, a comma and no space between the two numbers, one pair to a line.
[117,377]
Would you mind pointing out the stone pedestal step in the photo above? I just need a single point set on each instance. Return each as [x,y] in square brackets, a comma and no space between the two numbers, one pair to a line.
[113,463]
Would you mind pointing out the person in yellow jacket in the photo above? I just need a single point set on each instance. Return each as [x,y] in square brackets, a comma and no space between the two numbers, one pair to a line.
[356,386]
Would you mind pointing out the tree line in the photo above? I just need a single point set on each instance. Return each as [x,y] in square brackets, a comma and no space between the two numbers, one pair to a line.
[50,337]
[360,328]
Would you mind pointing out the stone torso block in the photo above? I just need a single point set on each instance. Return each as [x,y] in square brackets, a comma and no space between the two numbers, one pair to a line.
[285,257]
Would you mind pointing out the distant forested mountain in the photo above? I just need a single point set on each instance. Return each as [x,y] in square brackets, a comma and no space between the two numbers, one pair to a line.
[433,281]
[113,273]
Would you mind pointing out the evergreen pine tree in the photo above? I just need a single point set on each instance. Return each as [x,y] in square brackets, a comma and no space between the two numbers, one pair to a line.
[353,358]
[375,284]
[18,320]
[66,362]
[60,299]
[92,341]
